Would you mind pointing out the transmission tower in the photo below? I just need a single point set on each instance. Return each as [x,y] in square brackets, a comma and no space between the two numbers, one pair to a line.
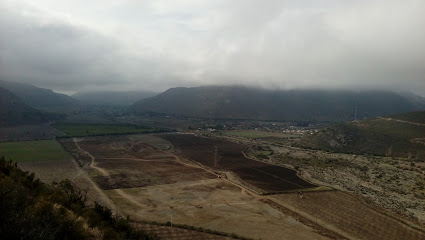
[355,114]
[215,155]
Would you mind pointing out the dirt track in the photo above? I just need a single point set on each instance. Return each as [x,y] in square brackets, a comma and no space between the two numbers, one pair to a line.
[221,204]
[131,203]
[402,121]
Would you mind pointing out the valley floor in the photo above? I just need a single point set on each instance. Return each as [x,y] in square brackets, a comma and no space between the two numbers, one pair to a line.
[144,177]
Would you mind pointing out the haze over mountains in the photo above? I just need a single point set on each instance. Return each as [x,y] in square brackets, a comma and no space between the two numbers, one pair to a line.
[232,102]
[238,102]
[15,112]
[40,98]
[112,98]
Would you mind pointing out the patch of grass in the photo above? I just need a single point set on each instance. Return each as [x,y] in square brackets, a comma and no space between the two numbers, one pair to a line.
[33,151]
[82,130]
[258,134]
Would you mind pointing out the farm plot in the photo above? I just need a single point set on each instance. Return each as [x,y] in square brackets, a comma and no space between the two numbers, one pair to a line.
[171,233]
[171,185]
[29,151]
[130,162]
[228,156]
[29,132]
[83,129]
[212,204]
[352,215]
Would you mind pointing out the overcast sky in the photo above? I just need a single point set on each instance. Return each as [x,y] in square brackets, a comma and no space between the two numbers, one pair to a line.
[79,45]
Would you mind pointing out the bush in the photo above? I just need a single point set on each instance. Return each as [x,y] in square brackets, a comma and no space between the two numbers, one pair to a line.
[30,209]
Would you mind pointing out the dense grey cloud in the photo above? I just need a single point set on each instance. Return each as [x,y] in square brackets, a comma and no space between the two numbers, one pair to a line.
[78,45]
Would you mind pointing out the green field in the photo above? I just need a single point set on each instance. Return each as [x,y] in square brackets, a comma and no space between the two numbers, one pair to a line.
[82,130]
[27,151]
[257,134]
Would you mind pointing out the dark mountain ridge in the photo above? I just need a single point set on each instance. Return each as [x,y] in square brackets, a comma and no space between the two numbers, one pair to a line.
[40,98]
[14,112]
[236,102]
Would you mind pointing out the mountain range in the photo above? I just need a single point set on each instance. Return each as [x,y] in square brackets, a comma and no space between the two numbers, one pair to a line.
[228,102]
[236,102]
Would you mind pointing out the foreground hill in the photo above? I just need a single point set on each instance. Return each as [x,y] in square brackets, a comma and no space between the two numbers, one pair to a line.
[30,209]
[290,105]
[112,98]
[400,135]
[40,98]
[14,112]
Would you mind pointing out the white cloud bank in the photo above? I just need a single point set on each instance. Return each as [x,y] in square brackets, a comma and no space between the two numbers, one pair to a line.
[77,45]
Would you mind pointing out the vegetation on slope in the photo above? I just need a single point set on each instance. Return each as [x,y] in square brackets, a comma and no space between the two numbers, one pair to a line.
[416,117]
[234,102]
[381,136]
[30,209]
[40,98]
[15,112]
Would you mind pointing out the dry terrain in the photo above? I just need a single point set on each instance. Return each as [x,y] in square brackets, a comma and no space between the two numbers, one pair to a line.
[147,183]
[170,233]
[394,184]
[213,204]
[147,178]
[352,215]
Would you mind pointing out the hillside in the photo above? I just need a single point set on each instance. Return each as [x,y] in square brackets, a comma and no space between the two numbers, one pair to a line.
[111,98]
[14,112]
[416,117]
[40,98]
[30,209]
[287,105]
[397,135]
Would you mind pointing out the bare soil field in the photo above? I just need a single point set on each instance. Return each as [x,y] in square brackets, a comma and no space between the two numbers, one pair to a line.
[126,173]
[137,177]
[351,214]
[131,163]
[212,204]
[267,177]
[175,188]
